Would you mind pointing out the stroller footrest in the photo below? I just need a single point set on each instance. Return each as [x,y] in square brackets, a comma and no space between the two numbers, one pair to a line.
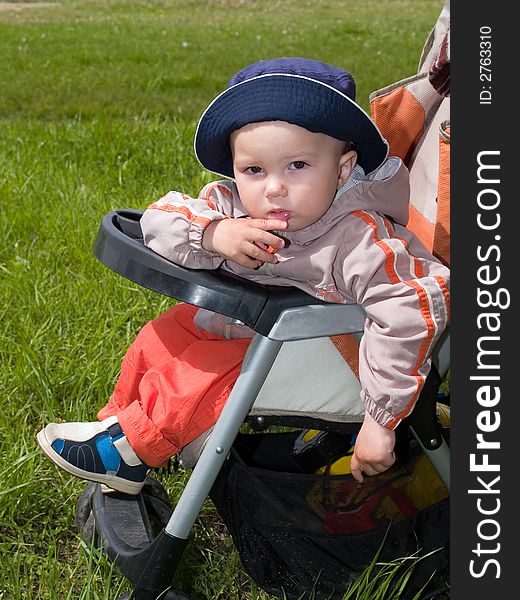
[127,536]
[121,522]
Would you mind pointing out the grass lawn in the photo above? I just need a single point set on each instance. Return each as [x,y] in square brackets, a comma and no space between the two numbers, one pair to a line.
[98,107]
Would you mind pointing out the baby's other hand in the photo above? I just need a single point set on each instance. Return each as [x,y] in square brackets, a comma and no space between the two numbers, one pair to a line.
[244,241]
[374,449]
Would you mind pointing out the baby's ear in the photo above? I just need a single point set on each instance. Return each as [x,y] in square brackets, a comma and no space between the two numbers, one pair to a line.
[347,162]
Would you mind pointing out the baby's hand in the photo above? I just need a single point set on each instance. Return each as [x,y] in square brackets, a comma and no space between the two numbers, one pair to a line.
[374,449]
[244,241]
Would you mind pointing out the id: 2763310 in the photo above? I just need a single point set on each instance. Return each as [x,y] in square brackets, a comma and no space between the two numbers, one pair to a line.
[485,73]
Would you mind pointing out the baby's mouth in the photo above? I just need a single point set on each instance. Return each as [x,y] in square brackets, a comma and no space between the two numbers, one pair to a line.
[282,215]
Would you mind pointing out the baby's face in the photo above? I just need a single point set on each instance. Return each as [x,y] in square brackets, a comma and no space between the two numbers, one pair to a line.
[283,171]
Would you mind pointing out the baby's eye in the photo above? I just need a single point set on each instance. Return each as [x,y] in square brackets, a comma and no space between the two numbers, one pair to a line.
[253,170]
[298,164]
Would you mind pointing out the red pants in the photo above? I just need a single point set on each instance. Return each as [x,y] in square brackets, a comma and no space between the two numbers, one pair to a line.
[173,384]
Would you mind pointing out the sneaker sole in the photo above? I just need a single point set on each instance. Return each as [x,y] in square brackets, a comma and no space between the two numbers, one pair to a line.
[111,481]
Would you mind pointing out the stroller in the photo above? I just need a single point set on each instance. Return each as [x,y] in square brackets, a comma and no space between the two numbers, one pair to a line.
[302,526]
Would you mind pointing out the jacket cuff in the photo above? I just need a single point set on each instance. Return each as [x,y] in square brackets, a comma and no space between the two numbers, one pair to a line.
[379,413]
[195,235]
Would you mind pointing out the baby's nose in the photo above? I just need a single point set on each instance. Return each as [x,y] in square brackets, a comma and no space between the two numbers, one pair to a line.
[275,187]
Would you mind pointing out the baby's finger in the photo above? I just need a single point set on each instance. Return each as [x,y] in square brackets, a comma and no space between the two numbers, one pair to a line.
[385,463]
[376,467]
[269,242]
[370,469]
[246,254]
[355,469]
[269,224]
[262,254]
[247,261]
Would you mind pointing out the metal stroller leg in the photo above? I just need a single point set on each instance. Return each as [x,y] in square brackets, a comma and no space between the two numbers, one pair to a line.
[158,563]
[439,457]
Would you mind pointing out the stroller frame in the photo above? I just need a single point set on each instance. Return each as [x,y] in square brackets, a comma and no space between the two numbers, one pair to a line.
[277,315]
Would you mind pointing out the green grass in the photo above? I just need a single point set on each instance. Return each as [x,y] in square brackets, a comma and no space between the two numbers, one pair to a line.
[98,106]
[168,58]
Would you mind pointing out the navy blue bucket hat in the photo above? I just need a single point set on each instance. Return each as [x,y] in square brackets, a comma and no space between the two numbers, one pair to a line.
[301,91]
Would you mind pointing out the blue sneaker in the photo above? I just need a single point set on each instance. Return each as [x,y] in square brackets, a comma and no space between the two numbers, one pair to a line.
[97,451]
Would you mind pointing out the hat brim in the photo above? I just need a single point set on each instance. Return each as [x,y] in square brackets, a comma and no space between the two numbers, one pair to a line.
[283,97]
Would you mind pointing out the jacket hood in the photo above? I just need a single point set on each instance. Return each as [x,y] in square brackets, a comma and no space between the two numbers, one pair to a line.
[386,190]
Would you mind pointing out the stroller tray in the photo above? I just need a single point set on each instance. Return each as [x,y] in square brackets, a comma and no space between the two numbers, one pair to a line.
[119,245]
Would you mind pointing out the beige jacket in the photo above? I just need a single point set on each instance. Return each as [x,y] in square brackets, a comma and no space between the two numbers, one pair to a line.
[358,252]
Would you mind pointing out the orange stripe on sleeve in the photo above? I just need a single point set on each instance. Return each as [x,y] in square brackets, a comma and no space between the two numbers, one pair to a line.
[423,351]
[184,210]
[390,256]
[221,188]
[424,306]
[418,268]
[444,288]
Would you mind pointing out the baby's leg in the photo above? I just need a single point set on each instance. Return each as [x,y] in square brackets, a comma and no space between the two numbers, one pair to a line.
[174,382]
[181,398]
[173,385]
[158,341]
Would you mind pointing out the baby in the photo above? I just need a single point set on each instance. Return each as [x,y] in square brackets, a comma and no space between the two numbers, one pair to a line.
[311,200]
